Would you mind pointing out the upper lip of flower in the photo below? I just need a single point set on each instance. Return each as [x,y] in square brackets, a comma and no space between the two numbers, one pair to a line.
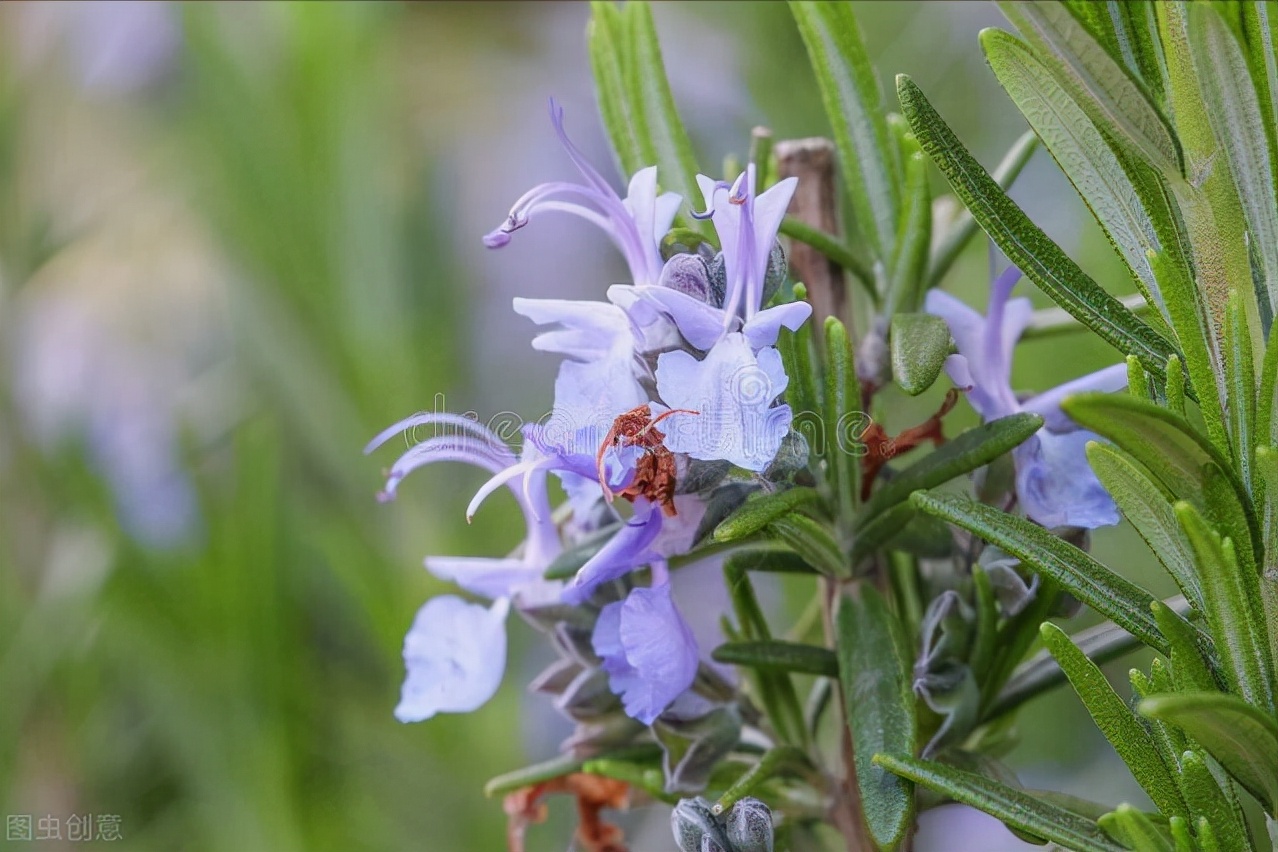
[633,223]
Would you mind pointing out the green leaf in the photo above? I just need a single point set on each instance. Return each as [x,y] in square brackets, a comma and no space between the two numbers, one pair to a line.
[842,398]
[1193,659]
[1164,443]
[977,446]
[1080,149]
[1241,738]
[876,672]
[1231,602]
[1208,199]
[1207,801]
[1136,830]
[832,248]
[920,344]
[772,763]
[1175,387]
[1016,808]
[774,689]
[1233,107]
[1123,602]
[914,234]
[1259,24]
[963,227]
[777,655]
[1025,244]
[854,105]
[1113,99]
[556,767]
[1101,643]
[1150,513]
[1116,721]
[657,129]
[1240,379]
[1136,36]
[757,512]
[607,42]
[770,559]
[804,392]
[1194,331]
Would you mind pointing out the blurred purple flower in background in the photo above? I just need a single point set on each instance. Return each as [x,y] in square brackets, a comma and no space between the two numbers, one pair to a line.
[1054,483]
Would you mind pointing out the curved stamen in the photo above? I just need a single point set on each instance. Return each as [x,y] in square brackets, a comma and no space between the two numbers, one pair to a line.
[438,450]
[501,478]
[440,418]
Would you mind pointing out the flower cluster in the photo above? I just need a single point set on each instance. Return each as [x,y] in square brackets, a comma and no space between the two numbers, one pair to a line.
[666,399]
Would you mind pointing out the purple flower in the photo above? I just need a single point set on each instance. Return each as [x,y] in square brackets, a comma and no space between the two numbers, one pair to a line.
[747,227]
[733,389]
[635,224]
[455,652]
[647,649]
[1054,483]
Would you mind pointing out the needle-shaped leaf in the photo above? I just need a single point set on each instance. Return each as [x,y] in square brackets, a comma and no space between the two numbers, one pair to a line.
[758,512]
[962,227]
[1025,244]
[854,105]
[1207,800]
[1193,656]
[1101,85]
[920,344]
[778,655]
[1208,199]
[606,39]
[1016,808]
[1243,740]
[1149,511]
[1233,108]
[635,100]
[1120,600]
[875,670]
[1135,829]
[1231,602]
[1080,149]
[1116,721]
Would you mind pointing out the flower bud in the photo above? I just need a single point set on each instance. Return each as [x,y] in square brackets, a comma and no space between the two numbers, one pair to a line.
[695,828]
[749,826]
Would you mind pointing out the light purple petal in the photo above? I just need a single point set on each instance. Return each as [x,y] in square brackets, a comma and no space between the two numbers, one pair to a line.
[764,327]
[1055,484]
[701,324]
[667,208]
[769,209]
[489,578]
[590,330]
[732,390]
[677,533]
[630,548]
[988,370]
[658,653]
[960,375]
[455,653]
[589,397]
[1048,403]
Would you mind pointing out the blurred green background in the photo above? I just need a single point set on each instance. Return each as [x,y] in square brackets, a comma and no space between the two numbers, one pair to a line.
[237,241]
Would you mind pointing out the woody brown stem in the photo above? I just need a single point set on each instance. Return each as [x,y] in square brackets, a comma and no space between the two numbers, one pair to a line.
[815,203]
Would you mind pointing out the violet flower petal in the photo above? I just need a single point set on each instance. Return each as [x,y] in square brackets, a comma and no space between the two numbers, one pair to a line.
[732,390]
[455,653]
